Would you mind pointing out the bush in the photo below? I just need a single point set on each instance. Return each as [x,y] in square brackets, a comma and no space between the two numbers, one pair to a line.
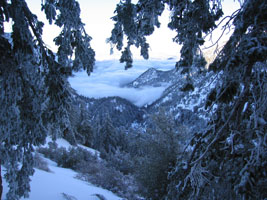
[121,161]
[40,163]
[111,179]
[70,158]
[50,152]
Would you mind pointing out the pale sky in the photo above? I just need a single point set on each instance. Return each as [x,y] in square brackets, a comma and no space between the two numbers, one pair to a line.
[109,76]
[96,15]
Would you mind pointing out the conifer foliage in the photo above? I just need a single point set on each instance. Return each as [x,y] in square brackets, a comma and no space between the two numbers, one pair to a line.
[190,19]
[34,94]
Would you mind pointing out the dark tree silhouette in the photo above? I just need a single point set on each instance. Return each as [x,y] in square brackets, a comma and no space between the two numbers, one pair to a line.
[34,92]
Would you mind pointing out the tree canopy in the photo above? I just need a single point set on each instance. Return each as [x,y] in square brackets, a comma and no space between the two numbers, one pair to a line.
[35,95]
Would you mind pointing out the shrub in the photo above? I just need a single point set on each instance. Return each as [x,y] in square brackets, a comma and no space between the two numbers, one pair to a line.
[71,158]
[40,163]
[121,161]
[50,152]
[111,179]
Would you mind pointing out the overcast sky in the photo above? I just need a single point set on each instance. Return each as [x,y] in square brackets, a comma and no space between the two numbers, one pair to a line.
[96,15]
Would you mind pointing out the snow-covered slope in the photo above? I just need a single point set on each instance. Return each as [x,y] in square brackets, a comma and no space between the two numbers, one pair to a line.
[184,96]
[61,184]
[155,78]
[175,98]
[187,106]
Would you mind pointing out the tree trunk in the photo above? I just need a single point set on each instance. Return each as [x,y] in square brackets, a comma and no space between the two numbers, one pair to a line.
[1,186]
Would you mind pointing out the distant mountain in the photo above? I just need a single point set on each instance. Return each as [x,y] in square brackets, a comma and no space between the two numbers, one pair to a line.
[184,97]
[186,104]
[155,78]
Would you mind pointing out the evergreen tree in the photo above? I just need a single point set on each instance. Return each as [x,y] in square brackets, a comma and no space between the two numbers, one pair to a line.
[190,19]
[161,145]
[84,129]
[34,91]
[232,150]
[108,136]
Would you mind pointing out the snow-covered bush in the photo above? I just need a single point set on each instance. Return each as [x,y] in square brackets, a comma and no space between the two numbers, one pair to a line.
[68,158]
[121,161]
[40,163]
[111,179]
[49,152]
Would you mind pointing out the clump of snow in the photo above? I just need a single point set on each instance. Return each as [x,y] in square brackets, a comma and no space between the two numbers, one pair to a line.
[165,99]
[119,108]
[135,83]
[245,107]
[114,101]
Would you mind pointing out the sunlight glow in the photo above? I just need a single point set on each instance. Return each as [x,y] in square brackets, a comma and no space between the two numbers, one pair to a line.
[96,15]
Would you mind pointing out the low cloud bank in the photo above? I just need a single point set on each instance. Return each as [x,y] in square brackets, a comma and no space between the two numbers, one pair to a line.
[109,77]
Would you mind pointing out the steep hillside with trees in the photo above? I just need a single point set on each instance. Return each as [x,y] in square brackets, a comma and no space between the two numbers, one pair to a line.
[232,151]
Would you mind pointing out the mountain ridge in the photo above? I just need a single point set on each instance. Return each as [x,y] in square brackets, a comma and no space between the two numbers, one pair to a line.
[187,107]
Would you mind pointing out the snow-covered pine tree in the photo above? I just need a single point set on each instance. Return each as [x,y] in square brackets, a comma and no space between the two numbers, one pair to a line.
[108,135]
[84,128]
[161,145]
[34,94]
[137,21]
[229,158]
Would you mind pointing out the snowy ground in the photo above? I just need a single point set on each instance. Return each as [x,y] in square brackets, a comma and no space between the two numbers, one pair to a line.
[109,78]
[61,182]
